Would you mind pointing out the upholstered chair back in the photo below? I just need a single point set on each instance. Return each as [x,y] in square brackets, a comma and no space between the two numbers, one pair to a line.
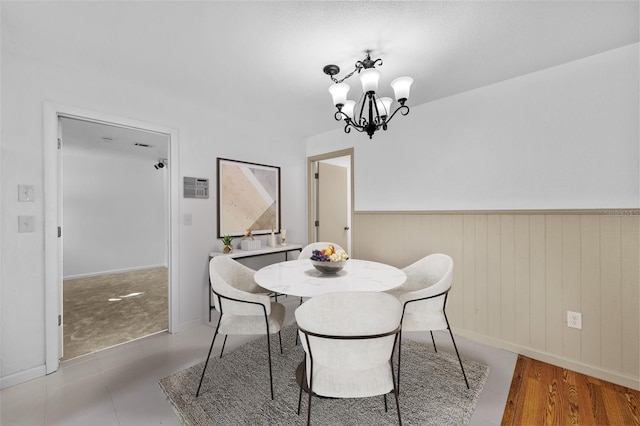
[429,276]
[232,279]
[347,368]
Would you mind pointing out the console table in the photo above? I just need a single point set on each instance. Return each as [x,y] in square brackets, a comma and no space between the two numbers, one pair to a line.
[244,254]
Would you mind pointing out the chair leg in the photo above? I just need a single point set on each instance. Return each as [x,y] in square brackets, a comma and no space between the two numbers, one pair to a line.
[280,338]
[270,371]
[399,356]
[385,402]
[309,410]
[302,380]
[459,360]
[456,348]
[434,342]
[208,356]
[223,343]
[396,389]
[395,393]
[299,399]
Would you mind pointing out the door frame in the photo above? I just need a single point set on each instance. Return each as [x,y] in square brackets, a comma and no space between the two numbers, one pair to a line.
[311,190]
[53,203]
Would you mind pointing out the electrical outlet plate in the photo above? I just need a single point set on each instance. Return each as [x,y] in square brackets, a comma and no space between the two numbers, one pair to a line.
[574,320]
[26,224]
[25,192]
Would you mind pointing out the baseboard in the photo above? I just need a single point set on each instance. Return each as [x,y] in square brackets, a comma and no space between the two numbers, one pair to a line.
[115,271]
[187,325]
[22,376]
[597,372]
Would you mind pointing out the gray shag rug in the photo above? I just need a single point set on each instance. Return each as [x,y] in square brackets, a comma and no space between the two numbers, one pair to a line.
[235,390]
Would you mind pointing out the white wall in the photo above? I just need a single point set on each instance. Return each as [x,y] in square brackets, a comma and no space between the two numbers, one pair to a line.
[562,138]
[204,134]
[114,213]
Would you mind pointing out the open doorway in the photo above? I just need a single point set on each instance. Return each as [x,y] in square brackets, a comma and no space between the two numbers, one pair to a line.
[115,242]
[331,197]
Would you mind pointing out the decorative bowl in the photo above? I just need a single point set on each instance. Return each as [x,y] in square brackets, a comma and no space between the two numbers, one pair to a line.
[328,267]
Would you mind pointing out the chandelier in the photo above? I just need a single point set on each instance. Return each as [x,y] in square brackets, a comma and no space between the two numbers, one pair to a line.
[372,112]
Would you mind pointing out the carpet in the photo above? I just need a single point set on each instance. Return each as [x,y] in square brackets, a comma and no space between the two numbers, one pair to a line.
[235,390]
[106,310]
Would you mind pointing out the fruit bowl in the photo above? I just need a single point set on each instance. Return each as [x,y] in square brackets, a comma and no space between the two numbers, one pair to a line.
[328,268]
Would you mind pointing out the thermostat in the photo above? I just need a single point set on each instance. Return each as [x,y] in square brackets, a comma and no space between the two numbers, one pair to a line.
[196,187]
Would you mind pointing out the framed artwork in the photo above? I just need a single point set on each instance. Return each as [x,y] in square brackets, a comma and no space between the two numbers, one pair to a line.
[248,198]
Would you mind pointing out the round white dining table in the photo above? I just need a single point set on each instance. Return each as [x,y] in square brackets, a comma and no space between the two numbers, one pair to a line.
[300,278]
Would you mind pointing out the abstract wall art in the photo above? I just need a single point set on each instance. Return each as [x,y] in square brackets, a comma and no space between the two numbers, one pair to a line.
[248,198]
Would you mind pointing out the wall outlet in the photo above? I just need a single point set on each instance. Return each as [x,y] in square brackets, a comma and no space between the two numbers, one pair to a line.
[574,320]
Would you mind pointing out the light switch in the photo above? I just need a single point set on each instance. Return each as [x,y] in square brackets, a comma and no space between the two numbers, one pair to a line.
[26,224]
[186,218]
[25,192]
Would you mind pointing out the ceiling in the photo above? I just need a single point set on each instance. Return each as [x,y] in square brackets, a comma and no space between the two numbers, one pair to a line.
[101,138]
[263,60]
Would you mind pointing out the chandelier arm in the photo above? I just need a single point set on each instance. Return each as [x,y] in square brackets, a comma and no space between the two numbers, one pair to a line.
[361,102]
[358,128]
[378,119]
[404,110]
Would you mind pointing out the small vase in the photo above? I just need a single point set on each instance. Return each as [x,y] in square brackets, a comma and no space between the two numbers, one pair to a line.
[227,249]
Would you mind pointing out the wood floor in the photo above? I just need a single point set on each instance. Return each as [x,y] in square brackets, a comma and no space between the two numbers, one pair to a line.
[542,394]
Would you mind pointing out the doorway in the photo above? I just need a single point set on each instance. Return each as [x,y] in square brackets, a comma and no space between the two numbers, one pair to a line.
[53,213]
[330,195]
[115,240]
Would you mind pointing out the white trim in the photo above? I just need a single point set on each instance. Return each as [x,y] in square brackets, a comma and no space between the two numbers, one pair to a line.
[22,376]
[51,112]
[599,373]
[113,271]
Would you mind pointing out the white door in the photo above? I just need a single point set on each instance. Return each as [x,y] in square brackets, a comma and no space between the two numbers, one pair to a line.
[333,212]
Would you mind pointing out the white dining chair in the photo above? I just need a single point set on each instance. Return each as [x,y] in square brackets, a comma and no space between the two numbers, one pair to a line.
[424,298]
[244,307]
[349,339]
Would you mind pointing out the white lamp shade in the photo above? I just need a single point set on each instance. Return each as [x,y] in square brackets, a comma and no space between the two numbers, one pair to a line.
[339,93]
[348,108]
[369,78]
[401,87]
[384,106]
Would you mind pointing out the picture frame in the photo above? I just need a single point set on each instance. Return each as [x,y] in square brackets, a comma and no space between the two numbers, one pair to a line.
[248,198]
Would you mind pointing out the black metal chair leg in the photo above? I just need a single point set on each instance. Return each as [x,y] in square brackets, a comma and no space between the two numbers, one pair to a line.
[302,380]
[395,393]
[456,348]
[309,410]
[223,344]
[399,356]
[270,372]
[208,356]
[280,338]
[299,399]
[396,389]
[385,402]
[434,342]
[459,360]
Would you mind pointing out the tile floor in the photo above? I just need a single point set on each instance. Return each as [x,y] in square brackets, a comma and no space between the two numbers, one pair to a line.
[119,386]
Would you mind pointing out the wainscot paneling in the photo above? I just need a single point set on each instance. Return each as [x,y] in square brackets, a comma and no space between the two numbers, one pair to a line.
[517,273]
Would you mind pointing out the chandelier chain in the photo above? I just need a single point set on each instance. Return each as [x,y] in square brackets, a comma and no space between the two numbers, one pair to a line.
[335,80]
